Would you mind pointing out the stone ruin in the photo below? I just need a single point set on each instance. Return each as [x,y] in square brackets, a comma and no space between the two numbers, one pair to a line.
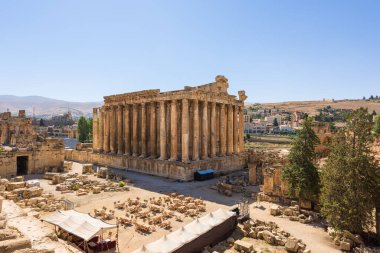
[29,194]
[23,151]
[244,236]
[265,170]
[170,134]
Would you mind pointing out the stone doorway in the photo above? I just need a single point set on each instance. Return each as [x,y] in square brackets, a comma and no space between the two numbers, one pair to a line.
[22,165]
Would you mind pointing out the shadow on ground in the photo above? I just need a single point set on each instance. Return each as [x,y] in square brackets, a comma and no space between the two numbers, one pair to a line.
[198,189]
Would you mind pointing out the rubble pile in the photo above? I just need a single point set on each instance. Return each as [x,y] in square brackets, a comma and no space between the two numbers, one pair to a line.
[29,194]
[347,241]
[241,238]
[294,213]
[148,214]
[82,185]
[231,183]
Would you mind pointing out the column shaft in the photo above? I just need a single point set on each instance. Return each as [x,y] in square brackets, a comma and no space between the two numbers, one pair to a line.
[101,130]
[196,131]
[223,129]
[241,130]
[113,144]
[127,130]
[143,130]
[107,123]
[162,131]
[229,129]
[236,128]
[153,130]
[135,144]
[204,131]
[213,129]
[185,130]
[120,141]
[173,131]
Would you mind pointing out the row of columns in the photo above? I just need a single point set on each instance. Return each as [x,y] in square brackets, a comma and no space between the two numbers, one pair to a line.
[123,130]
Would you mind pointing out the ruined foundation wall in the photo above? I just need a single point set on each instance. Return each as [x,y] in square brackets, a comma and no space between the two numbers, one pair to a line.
[48,154]
[169,169]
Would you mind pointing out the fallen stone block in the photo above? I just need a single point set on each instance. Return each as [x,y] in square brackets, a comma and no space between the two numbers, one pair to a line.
[87,168]
[292,245]
[50,175]
[7,234]
[15,185]
[268,237]
[13,245]
[345,246]
[243,246]
[274,210]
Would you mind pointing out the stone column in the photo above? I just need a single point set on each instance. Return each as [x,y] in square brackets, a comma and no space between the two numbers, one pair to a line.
[5,134]
[101,130]
[120,141]
[241,130]
[162,131]
[223,129]
[143,130]
[135,143]
[213,129]
[196,131]
[185,130]
[107,130]
[127,130]
[173,132]
[153,130]
[204,131]
[113,143]
[236,127]
[229,130]
[95,129]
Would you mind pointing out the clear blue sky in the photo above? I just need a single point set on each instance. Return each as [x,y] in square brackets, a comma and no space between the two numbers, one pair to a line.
[275,50]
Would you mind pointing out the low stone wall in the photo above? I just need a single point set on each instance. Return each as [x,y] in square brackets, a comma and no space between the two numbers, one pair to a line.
[169,169]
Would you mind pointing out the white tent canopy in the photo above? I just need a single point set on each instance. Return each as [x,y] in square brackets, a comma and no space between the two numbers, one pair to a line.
[79,224]
[186,234]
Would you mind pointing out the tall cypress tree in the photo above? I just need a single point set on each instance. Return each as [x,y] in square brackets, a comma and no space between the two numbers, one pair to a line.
[350,180]
[82,129]
[301,172]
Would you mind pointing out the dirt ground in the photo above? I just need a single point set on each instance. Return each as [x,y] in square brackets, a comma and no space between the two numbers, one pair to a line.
[145,187]
[310,107]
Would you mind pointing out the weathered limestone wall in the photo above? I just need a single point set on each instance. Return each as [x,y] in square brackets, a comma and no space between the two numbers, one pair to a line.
[169,169]
[38,161]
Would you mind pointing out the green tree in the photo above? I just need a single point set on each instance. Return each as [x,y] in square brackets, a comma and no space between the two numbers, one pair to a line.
[42,122]
[301,172]
[350,183]
[83,130]
[376,126]
[89,126]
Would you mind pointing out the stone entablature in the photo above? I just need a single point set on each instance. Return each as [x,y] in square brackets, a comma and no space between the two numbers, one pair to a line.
[197,123]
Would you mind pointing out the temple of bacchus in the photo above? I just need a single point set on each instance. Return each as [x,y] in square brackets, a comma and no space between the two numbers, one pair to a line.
[170,134]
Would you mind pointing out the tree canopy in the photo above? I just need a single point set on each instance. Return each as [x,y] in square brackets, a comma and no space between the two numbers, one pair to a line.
[350,180]
[84,129]
[301,172]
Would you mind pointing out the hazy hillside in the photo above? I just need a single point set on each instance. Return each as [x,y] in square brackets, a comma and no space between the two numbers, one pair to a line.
[311,106]
[43,105]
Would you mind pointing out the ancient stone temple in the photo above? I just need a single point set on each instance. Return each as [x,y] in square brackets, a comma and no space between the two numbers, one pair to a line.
[171,134]
[22,151]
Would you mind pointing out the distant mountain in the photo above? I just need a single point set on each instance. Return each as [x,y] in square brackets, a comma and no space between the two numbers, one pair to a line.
[44,106]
